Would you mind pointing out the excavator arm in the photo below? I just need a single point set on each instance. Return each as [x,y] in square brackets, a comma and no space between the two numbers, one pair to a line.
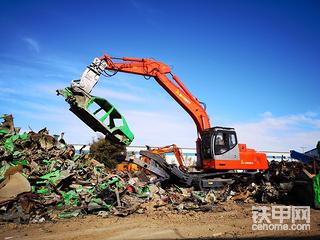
[145,67]
[160,72]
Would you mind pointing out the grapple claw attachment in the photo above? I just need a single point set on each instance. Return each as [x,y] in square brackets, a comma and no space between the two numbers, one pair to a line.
[99,114]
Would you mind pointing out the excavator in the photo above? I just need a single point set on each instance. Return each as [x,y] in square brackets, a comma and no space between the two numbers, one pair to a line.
[173,148]
[162,151]
[218,151]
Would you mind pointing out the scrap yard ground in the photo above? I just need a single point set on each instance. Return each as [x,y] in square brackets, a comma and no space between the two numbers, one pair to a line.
[229,221]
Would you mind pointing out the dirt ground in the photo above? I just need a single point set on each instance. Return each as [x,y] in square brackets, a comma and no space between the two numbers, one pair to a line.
[228,221]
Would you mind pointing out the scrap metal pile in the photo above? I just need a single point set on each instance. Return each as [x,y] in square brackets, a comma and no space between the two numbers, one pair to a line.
[42,178]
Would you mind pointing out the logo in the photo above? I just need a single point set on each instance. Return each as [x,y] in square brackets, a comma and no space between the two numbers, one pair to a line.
[182,96]
[281,218]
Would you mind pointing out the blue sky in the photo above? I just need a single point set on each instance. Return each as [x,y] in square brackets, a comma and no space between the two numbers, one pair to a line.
[254,63]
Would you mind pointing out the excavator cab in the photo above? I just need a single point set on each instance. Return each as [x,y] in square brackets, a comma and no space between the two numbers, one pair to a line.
[220,150]
[219,143]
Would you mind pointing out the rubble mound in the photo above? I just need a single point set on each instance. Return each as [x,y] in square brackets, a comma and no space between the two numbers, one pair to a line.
[43,178]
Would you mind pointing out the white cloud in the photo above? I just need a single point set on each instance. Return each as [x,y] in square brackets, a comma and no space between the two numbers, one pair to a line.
[130,82]
[6,90]
[142,7]
[149,128]
[266,114]
[282,133]
[32,44]
[75,130]
[124,96]
[146,11]
[160,128]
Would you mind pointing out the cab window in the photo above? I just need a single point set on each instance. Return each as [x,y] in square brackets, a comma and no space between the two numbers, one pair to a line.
[224,141]
[232,140]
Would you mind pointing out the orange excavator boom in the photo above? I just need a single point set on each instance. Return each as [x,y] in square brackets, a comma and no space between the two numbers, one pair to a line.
[217,147]
[160,71]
